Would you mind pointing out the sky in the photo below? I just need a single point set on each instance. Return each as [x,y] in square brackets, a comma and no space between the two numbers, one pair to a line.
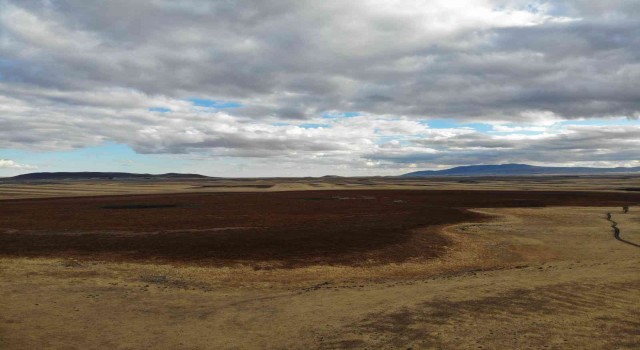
[311,88]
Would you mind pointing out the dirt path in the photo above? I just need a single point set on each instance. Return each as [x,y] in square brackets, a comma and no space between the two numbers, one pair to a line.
[616,232]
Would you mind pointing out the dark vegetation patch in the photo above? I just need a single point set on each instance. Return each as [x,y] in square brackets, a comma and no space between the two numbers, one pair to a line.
[528,203]
[631,189]
[237,186]
[293,228]
[139,206]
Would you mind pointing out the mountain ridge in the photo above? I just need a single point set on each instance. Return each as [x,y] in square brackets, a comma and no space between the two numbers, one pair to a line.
[514,169]
[87,175]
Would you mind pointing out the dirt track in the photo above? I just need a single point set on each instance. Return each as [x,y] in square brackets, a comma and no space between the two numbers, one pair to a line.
[616,232]
[290,229]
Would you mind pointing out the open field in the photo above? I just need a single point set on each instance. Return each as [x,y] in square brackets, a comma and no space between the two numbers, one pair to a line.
[10,189]
[322,269]
[286,229]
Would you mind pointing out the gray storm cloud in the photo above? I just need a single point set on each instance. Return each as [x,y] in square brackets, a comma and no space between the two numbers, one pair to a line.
[78,73]
[575,144]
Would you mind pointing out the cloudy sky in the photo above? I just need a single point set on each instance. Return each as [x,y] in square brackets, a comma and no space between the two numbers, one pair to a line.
[296,88]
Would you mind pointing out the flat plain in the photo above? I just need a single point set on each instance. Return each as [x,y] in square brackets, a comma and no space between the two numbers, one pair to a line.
[331,263]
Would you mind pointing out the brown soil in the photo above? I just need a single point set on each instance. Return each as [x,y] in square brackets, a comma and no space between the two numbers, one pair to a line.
[292,229]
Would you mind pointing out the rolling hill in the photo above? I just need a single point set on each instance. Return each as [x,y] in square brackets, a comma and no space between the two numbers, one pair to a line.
[102,175]
[519,170]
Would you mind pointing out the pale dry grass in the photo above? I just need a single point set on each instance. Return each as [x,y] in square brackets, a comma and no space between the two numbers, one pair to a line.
[532,278]
[38,189]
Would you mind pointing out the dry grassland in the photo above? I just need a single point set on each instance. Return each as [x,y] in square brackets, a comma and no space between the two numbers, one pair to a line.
[37,189]
[527,278]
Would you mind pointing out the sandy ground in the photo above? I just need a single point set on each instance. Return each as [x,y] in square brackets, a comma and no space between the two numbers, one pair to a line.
[537,278]
[38,189]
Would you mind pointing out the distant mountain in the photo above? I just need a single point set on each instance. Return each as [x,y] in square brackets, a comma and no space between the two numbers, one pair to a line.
[519,170]
[102,175]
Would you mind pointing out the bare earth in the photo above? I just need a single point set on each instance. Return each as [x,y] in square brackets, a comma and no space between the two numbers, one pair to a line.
[528,278]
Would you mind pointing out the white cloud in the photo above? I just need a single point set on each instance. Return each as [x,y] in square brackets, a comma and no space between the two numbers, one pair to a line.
[78,73]
[10,164]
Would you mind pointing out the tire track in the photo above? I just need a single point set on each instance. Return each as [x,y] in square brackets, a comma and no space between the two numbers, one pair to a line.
[616,232]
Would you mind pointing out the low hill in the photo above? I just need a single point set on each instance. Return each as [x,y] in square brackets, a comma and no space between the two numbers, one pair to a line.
[519,170]
[102,175]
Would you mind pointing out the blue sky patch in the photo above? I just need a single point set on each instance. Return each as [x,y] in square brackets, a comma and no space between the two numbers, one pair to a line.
[314,126]
[517,132]
[452,124]
[109,156]
[201,102]
[340,115]
[386,139]
[159,109]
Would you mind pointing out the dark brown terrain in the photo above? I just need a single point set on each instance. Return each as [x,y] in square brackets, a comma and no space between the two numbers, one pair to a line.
[377,263]
[291,228]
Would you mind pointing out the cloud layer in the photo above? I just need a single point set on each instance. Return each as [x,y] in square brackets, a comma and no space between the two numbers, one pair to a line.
[10,164]
[361,84]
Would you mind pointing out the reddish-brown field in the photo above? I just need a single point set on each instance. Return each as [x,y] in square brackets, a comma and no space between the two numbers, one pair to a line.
[495,267]
[291,228]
